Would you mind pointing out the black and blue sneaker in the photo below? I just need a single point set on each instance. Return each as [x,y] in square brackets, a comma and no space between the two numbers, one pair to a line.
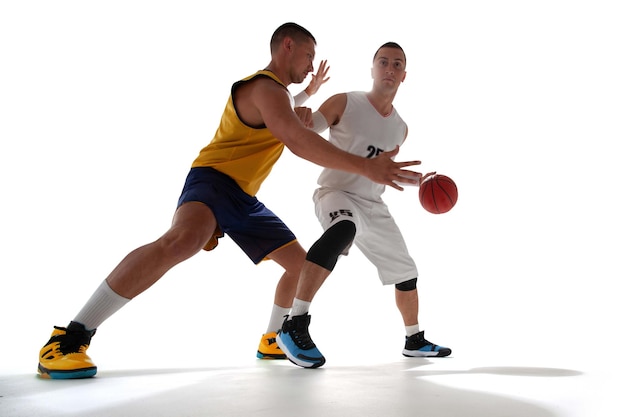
[417,346]
[295,342]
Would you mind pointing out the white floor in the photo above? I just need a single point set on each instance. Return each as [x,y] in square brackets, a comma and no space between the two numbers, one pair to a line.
[482,385]
[398,388]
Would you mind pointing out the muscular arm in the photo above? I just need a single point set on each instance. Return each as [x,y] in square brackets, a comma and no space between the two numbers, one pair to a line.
[333,108]
[264,101]
[329,113]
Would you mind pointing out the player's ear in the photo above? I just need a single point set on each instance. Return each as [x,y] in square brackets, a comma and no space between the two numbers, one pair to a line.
[404,77]
[288,43]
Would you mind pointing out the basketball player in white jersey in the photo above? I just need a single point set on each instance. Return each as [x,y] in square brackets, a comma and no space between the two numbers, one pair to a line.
[351,210]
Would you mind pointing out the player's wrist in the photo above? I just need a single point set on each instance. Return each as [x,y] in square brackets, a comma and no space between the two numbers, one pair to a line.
[301,98]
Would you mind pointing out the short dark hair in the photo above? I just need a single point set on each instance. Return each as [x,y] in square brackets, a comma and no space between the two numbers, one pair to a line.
[291,30]
[390,45]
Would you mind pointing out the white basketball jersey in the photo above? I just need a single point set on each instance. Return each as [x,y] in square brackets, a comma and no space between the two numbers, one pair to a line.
[365,132]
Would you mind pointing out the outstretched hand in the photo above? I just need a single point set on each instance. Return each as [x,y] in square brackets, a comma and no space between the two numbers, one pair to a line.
[318,79]
[384,170]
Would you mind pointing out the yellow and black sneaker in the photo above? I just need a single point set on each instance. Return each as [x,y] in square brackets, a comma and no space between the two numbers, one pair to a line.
[268,349]
[64,356]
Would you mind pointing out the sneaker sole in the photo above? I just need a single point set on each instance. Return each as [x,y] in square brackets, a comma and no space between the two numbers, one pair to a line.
[261,355]
[422,354]
[73,374]
[307,365]
[301,360]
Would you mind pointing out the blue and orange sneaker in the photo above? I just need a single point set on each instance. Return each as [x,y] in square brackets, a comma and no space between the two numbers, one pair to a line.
[294,340]
[64,356]
[417,346]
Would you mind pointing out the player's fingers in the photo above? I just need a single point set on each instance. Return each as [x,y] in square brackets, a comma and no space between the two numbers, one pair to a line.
[407,163]
[426,176]
[409,177]
[396,186]
[394,152]
[322,66]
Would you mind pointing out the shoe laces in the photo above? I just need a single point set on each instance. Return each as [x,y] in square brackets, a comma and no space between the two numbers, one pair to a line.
[417,340]
[300,335]
[73,341]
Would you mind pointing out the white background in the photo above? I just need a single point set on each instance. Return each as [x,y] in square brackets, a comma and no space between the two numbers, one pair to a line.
[104,105]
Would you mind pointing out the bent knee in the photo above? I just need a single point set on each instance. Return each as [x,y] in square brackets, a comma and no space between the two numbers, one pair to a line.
[182,243]
[326,250]
[408,285]
[291,257]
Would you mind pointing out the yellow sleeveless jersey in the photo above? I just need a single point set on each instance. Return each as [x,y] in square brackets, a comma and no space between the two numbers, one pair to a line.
[244,153]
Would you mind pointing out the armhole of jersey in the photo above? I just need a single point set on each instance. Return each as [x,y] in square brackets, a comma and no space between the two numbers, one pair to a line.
[238,84]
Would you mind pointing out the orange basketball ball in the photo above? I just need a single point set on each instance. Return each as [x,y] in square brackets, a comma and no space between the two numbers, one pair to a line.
[438,194]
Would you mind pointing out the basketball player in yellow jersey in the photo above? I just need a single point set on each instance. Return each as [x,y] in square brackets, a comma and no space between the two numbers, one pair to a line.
[219,197]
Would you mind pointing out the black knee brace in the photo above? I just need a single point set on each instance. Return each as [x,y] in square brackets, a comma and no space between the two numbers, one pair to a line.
[409,285]
[329,246]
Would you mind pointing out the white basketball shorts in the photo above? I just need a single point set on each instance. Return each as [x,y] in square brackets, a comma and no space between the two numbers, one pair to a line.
[377,234]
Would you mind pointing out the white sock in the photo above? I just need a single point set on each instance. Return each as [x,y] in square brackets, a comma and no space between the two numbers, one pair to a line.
[411,330]
[299,307]
[102,304]
[277,318]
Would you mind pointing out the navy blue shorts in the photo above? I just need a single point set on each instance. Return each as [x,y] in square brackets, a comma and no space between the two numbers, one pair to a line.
[251,225]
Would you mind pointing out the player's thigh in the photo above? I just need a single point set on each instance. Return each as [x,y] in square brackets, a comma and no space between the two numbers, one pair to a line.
[193,225]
